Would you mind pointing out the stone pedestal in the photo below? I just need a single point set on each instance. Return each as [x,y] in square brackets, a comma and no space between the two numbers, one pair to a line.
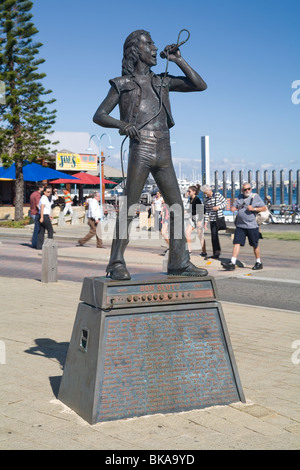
[142,347]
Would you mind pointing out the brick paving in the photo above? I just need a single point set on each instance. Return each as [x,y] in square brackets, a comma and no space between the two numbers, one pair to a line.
[73,268]
[36,322]
[36,328]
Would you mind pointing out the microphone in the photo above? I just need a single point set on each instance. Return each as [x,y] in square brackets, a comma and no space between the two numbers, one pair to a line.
[169,50]
[174,47]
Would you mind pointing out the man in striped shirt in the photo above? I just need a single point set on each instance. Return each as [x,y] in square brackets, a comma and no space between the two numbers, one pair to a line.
[214,203]
[68,202]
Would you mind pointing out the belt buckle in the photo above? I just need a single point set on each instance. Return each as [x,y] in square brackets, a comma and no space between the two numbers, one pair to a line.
[151,134]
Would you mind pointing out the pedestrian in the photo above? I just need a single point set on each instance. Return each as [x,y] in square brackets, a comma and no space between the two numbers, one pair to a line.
[247,206]
[34,212]
[68,202]
[165,217]
[214,203]
[54,198]
[196,218]
[145,117]
[44,217]
[94,215]
[157,206]
[269,207]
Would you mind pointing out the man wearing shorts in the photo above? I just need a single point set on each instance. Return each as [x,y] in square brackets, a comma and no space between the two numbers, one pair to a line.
[247,206]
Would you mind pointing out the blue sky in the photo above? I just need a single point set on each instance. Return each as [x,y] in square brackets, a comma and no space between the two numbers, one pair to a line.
[246,51]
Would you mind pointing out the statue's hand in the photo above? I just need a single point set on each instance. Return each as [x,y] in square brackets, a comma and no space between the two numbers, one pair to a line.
[173,51]
[131,131]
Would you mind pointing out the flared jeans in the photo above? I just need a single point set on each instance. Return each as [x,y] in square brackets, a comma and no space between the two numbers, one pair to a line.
[151,155]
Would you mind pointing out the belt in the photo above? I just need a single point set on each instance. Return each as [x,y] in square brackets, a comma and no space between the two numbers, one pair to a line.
[156,134]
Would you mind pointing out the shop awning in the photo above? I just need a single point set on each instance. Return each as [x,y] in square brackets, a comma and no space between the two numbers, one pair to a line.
[34,172]
[83,178]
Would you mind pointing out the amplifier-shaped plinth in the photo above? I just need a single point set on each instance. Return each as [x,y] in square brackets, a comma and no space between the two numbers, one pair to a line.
[134,354]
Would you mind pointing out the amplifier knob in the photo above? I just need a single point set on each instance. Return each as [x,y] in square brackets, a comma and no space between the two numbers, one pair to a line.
[161,296]
[155,297]
[135,298]
[170,296]
[143,297]
[149,297]
[129,298]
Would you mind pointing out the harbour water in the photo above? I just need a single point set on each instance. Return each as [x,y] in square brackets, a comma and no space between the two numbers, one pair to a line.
[270,193]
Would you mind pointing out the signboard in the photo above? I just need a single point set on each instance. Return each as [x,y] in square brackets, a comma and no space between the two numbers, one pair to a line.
[76,161]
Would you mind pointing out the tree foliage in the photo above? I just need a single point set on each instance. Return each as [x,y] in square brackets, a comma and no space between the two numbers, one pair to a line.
[26,118]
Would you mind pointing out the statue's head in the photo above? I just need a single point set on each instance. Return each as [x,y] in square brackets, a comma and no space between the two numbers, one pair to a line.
[131,51]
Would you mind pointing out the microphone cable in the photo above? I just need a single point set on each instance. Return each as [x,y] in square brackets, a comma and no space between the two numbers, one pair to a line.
[164,54]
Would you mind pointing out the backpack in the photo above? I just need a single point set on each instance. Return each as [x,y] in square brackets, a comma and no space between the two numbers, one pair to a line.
[261,216]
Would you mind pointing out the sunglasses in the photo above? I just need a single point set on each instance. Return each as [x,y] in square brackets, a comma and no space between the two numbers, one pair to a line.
[246,189]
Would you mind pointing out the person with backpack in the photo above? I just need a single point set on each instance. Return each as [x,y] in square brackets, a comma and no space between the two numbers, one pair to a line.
[247,205]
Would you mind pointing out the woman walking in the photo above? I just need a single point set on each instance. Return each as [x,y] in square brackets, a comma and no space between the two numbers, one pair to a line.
[165,218]
[44,215]
[214,203]
[195,221]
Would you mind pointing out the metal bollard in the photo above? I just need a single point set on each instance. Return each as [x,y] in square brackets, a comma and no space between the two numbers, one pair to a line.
[49,261]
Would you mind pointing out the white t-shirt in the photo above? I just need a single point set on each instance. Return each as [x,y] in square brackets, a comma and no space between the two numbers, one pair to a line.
[158,204]
[47,209]
[94,209]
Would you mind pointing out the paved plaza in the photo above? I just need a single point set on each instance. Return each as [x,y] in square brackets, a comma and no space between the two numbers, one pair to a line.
[36,322]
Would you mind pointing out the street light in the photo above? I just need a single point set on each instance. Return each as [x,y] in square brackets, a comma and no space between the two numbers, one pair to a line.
[124,162]
[89,149]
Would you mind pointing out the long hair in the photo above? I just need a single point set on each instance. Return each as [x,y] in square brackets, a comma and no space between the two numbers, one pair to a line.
[195,188]
[131,51]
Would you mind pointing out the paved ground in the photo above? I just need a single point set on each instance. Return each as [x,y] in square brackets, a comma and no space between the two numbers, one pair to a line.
[278,285]
[35,327]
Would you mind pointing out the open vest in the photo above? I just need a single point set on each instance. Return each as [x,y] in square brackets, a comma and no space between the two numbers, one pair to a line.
[130,96]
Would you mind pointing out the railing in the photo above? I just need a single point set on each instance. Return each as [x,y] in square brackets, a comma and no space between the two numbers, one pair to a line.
[280,192]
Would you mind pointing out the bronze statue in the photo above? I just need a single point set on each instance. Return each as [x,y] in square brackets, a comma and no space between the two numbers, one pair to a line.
[145,117]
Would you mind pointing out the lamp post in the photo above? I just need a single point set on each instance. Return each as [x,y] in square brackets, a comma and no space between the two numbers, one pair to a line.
[125,157]
[124,164]
[89,149]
